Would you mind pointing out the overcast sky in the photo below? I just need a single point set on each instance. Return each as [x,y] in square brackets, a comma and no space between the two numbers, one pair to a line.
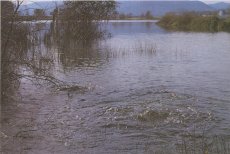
[206,1]
[215,1]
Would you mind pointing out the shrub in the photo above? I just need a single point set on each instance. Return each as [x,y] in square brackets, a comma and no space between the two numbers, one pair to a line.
[194,22]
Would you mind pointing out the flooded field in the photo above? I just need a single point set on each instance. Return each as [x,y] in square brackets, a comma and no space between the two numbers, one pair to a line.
[145,90]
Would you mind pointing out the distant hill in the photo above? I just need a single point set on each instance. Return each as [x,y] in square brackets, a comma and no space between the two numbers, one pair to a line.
[220,6]
[160,8]
[157,8]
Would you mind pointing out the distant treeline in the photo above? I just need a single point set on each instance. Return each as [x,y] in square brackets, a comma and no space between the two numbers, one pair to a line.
[31,18]
[39,14]
[144,16]
[195,22]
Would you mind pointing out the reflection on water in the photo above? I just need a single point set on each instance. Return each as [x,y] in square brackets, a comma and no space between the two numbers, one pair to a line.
[133,27]
[151,87]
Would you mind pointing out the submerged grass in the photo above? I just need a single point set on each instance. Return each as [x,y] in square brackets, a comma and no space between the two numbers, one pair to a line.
[194,143]
[215,145]
[138,48]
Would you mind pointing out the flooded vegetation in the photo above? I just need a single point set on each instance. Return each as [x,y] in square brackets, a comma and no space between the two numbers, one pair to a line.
[195,22]
[114,87]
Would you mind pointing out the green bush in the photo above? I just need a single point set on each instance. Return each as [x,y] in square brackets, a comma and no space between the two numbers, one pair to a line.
[226,25]
[194,22]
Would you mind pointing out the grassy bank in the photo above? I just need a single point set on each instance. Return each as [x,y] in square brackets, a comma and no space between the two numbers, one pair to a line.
[194,22]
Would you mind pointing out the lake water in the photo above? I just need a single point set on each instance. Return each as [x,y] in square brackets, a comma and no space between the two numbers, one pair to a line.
[148,89]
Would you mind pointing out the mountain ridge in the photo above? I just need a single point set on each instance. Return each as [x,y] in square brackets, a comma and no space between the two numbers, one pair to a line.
[160,8]
[220,6]
[136,8]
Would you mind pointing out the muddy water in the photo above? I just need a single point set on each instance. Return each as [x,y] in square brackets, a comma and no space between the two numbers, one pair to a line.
[147,89]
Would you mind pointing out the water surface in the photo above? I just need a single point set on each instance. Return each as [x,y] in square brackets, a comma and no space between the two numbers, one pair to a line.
[147,89]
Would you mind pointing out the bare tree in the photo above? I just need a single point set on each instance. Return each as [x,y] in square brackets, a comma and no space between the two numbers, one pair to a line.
[16,38]
[87,11]
[79,20]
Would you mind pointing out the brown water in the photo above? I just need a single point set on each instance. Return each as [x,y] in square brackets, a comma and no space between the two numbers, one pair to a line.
[146,90]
